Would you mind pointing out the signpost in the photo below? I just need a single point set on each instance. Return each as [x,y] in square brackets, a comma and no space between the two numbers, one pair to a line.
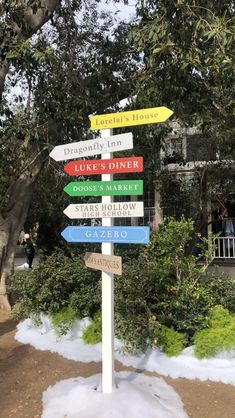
[105,210]
[108,263]
[113,234]
[92,147]
[107,295]
[130,118]
[104,188]
[107,234]
[115,165]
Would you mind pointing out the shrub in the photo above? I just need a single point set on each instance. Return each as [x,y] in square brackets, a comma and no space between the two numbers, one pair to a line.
[188,312]
[63,321]
[220,288]
[22,289]
[87,300]
[220,336]
[57,282]
[171,341]
[163,283]
[167,283]
[93,333]
[135,295]
[220,317]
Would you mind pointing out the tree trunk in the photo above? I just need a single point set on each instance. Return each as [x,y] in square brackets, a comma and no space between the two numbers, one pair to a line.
[12,219]
[21,194]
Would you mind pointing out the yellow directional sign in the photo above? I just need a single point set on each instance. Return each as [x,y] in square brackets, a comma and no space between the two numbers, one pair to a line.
[130,118]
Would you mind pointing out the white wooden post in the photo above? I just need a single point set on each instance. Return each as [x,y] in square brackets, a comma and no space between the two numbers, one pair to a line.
[107,297]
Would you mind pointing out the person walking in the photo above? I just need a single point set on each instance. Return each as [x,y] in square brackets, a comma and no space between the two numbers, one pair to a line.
[29,250]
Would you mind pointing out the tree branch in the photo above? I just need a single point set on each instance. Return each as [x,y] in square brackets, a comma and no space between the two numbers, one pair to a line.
[32,22]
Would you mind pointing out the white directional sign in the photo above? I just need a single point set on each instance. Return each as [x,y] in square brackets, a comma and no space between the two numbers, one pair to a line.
[105,210]
[92,147]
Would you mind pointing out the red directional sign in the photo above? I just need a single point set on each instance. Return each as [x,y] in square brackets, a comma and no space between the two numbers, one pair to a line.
[115,165]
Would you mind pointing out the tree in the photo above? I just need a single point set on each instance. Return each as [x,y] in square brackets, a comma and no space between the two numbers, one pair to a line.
[70,69]
[20,21]
[187,49]
[187,54]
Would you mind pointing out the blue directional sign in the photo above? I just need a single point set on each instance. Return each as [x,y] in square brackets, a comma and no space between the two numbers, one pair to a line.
[115,234]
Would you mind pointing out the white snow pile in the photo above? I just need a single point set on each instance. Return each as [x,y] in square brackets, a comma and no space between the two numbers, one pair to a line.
[219,369]
[135,396]
[23,266]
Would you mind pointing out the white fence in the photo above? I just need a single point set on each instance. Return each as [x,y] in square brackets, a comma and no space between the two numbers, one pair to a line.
[224,247]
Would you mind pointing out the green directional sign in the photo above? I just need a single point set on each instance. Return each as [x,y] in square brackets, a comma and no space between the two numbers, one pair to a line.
[104,188]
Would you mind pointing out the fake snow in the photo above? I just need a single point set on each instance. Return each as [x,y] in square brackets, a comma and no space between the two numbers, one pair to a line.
[135,396]
[219,369]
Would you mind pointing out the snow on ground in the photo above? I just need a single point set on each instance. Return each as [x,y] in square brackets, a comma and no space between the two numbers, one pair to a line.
[70,346]
[218,369]
[135,396]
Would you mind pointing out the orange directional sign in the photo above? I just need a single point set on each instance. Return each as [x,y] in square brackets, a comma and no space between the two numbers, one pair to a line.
[130,118]
[114,165]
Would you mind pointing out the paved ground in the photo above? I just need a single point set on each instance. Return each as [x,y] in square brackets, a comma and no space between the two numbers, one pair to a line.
[20,257]
[19,260]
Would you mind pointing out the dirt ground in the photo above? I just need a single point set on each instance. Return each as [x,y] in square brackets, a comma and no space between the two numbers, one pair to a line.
[25,373]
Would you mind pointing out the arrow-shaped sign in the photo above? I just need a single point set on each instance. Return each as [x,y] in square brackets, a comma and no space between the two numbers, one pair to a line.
[92,147]
[109,263]
[109,166]
[104,188]
[105,210]
[131,118]
[114,234]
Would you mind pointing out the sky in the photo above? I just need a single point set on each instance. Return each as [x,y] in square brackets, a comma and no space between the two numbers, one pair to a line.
[124,12]
[135,394]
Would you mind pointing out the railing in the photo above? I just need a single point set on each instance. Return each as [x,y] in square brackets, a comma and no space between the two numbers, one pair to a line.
[224,247]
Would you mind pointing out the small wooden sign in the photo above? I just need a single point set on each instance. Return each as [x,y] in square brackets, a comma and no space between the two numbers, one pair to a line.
[108,263]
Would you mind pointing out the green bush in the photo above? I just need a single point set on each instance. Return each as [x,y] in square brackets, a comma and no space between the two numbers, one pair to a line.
[220,336]
[220,318]
[63,321]
[165,282]
[171,341]
[220,288]
[161,284]
[57,282]
[135,297]
[93,333]
[188,312]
